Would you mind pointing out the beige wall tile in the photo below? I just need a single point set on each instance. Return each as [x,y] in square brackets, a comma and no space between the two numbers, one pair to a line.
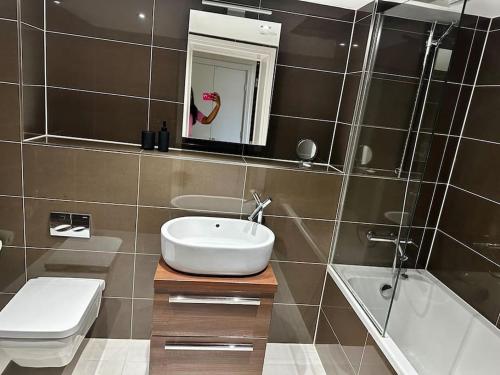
[163,179]
[116,269]
[75,174]
[295,193]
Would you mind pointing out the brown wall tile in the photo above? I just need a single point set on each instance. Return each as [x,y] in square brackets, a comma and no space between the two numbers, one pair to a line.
[329,349]
[65,173]
[299,283]
[142,318]
[309,8]
[33,111]
[300,240]
[483,113]
[489,73]
[112,226]
[374,361]
[339,148]
[386,147]
[11,221]
[33,56]
[8,45]
[12,275]
[360,38]
[400,52]
[115,269]
[114,319]
[145,268]
[476,168]
[293,324]
[320,93]
[4,299]
[96,116]
[349,97]
[32,12]
[399,92]
[91,64]
[354,248]
[167,74]
[8,9]
[285,133]
[466,273]
[368,199]
[163,179]
[111,19]
[473,221]
[10,168]
[295,193]
[10,128]
[172,31]
[312,42]
[348,329]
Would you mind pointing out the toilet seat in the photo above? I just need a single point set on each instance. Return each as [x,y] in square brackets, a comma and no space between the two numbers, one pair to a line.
[46,321]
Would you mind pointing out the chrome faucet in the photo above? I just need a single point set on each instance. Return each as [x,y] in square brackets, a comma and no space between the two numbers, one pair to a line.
[258,213]
[391,239]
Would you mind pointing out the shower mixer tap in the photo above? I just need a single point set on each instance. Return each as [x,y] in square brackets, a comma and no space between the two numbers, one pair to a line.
[372,237]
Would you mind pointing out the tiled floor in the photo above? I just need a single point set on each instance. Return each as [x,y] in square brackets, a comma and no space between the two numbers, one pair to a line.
[130,357]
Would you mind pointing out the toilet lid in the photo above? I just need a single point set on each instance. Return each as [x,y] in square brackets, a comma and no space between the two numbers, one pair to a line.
[49,307]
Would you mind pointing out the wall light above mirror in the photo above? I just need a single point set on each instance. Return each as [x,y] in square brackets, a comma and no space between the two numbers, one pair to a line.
[229,78]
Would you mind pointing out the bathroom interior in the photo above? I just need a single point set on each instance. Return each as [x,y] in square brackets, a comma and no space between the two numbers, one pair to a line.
[271,187]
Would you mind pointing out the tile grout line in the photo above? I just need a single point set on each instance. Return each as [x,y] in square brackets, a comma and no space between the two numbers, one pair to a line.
[468,247]
[445,148]
[459,141]
[135,244]
[335,334]
[309,15]
[21,129]
[45,67]
[363,353]
[475,194]
[151,64]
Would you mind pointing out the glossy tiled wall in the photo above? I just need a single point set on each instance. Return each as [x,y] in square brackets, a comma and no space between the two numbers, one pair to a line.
[109,77]
[465,255]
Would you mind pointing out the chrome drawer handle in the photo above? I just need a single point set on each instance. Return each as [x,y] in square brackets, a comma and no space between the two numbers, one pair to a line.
[215,300]
[210,347]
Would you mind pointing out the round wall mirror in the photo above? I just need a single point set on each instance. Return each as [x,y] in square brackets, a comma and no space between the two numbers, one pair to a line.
[306,151]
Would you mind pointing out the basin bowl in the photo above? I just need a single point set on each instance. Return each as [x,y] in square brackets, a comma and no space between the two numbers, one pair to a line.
[216,246]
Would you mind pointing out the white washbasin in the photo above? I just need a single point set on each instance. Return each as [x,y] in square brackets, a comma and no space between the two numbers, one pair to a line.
[216,246]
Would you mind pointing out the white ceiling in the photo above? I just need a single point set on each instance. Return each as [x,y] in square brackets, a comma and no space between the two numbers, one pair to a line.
[486,8]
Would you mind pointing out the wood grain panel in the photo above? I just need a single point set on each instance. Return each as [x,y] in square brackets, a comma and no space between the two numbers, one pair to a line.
[168,280]
[173,319]
[182,362]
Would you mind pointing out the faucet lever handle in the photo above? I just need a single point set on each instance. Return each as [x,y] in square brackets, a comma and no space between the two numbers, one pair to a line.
[256,197]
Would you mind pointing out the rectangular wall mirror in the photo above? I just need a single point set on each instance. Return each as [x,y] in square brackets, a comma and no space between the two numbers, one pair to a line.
[229,81]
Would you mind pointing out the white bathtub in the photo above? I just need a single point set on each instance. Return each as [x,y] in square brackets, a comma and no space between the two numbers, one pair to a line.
[431,330]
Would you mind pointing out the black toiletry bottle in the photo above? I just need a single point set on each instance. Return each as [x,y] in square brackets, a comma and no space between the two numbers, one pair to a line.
[163,138]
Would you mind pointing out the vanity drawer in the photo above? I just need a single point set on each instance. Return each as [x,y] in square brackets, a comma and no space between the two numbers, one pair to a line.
[208,315]
[207,356]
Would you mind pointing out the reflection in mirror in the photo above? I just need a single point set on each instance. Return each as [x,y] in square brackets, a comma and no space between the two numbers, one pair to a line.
[222,96]
[306,152]
[229,78]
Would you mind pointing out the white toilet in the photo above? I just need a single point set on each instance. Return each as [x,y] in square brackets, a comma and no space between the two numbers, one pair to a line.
[46,321]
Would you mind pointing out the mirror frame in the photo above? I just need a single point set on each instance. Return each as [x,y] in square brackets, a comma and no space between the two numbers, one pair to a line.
[266,56]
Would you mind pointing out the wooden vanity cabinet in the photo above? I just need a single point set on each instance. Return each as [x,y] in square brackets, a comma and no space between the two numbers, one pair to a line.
[210,325]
